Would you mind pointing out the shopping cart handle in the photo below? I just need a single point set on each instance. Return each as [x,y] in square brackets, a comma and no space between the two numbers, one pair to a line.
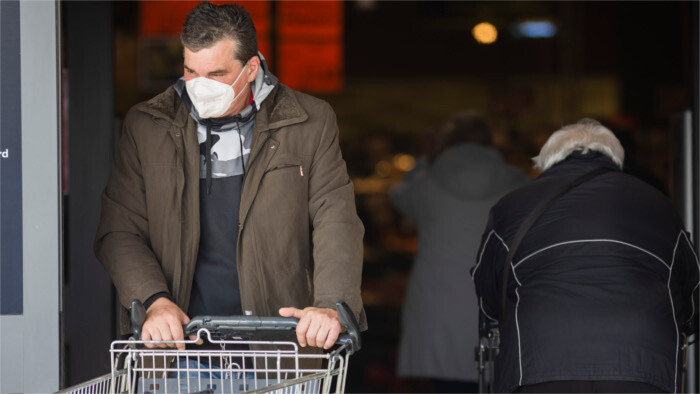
[138,317]
[486,324]
[352,338]
[236,327]
[241,327]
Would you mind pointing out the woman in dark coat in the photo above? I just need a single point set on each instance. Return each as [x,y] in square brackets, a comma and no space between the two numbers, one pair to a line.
[448,197]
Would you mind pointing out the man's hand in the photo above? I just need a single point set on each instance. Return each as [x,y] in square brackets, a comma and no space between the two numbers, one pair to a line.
[317,327]
[164,322]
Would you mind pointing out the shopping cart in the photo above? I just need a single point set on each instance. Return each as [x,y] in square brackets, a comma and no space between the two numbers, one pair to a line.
[486,353]
[245,359]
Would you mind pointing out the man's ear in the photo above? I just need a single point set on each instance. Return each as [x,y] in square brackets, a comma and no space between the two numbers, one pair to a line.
[253,67]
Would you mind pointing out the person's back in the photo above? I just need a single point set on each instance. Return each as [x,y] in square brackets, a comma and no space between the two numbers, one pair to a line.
[596,285]
[448,200]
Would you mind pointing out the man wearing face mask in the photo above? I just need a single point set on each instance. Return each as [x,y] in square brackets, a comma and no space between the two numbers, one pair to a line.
[229,195]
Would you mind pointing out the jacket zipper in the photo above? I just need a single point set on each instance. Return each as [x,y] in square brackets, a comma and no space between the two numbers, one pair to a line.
[253,157]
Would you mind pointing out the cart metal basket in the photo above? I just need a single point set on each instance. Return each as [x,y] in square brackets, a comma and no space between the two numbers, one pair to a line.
[239,364]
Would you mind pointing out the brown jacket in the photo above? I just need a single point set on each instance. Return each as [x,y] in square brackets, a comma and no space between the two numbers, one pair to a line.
[300,240]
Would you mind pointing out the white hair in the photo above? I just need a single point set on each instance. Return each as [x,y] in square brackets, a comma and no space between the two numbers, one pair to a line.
[585,135]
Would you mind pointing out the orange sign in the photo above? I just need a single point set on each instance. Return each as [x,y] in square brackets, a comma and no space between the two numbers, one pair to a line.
[309,37]
[310,45]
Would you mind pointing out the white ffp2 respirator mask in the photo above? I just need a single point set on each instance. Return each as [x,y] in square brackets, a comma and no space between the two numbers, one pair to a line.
[212,98]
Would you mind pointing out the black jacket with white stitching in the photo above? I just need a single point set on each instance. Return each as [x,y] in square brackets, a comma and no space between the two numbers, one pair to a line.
[601,287]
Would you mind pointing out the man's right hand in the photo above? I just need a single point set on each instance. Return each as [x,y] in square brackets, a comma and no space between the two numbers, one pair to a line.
[164,321]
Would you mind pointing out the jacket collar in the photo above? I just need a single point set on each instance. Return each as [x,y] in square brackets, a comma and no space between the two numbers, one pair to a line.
[280,109]
[580,162]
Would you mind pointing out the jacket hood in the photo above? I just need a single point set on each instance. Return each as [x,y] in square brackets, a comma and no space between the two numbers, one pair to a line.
[470,171]
[263,84]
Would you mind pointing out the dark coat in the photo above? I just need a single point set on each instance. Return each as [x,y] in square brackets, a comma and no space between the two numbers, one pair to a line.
[449,203]
[600,287]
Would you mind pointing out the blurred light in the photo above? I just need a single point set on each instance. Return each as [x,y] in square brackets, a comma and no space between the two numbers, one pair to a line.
[383,168]
[535,29]
[404,162]
[485,33]
[365,5]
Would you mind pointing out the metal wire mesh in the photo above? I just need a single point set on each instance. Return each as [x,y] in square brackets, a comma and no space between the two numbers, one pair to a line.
[257,367]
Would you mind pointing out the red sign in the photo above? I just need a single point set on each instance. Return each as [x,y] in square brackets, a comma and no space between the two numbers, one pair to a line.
[309,37]
[310,45]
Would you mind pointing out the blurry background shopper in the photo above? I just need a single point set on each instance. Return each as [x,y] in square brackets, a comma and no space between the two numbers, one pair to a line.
[448,196]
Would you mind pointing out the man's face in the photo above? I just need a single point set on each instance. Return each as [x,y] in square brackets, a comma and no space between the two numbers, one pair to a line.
[218,63]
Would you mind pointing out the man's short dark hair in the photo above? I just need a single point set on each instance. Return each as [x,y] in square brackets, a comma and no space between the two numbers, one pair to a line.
[207,23]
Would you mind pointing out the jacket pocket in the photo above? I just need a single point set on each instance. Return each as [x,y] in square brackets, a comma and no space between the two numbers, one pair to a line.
[281,167]
[280,216]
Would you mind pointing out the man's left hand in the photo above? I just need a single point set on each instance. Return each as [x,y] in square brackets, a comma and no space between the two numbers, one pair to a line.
[317,327]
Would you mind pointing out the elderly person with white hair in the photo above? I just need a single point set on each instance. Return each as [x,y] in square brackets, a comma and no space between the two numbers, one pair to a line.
[600,281]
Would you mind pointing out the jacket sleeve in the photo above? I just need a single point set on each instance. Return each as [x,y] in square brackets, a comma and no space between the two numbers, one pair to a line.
[122,240]
[487,274]
[337,230]
[690,285]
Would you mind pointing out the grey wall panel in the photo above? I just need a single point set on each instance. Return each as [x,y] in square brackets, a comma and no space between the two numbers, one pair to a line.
[11,345]
[32,340]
